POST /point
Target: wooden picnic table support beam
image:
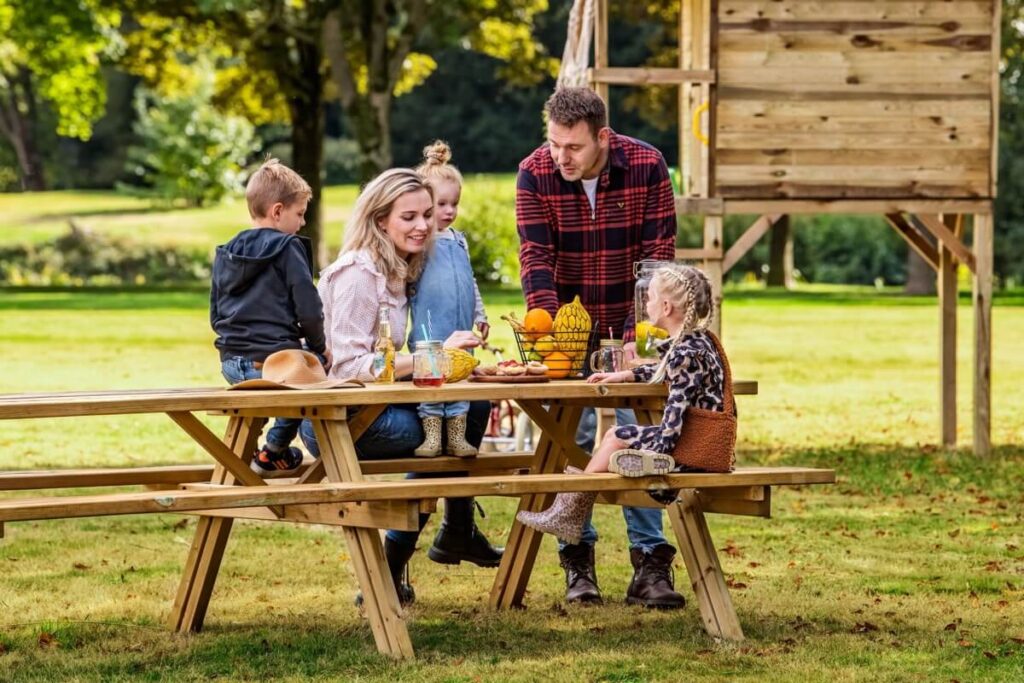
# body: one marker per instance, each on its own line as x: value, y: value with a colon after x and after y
x: 983, y: 238
x: 946, y: 284
x: 204, y: 556
x: 380, y: 598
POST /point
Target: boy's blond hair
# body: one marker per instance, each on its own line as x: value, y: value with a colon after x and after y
x: 272, y: 183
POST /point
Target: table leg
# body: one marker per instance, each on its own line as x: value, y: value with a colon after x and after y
x: 698, y: 551
x: 557, y: 440
x: 211, y: 537
x: 380, y: 598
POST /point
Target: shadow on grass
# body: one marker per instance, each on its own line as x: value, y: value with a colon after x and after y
x: 92, y: 213
x: 104, y: 298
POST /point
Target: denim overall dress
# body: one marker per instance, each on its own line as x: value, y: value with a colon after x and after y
x: 447, y: 290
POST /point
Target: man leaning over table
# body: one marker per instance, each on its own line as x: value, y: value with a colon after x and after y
x: 589, y: 203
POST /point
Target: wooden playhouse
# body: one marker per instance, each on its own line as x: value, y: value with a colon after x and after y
x: 883, y: 107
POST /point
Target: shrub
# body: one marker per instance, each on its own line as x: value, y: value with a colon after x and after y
x: 81, y: 258
x: 189, y: 151
x: 488, y: 217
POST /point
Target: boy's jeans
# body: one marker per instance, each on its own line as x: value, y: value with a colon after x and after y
x: 643, y: 525
x: 237, y: 369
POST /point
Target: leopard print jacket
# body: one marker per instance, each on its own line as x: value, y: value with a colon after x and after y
x: 695, y: 376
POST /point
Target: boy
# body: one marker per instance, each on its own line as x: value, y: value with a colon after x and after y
x: 263, y: 298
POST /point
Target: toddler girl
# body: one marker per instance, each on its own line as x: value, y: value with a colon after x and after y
x: 679, y: 300
x: 446, y: 297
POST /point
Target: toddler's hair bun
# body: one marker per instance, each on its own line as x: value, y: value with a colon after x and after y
x: 437, y: 153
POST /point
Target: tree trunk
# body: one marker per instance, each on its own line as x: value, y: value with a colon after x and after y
x: 19, y: 129
x: 780, y: 255
x: 920, y: 276
x: 307, y: 118
x: 372, y: 119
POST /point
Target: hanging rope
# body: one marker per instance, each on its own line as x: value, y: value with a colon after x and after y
x: 576, y: 58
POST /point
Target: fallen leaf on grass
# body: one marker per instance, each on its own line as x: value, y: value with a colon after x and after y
x: 80, y: 566
x: 954, y: 533
x: 988, y: 654
x: 1017, y: 639
x: 864, y: 627
x: 1011, y: 547
x: 950, y: 627
x: 737, y: 585
x: 963, y: 642
x: 47, y: 639
x: 753, y: 565
x: 993, y: 566
x: 180, y: 524
x: 3, y: 649
x: 731, y: 549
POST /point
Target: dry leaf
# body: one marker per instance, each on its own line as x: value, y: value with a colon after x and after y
x: 47, y: 640
x: 963, y: 642
x: 864, y: 627
x: 80, y: 566
x: 954, y: 533
x: 1017, y: 639
x: 180, y: 524
x: 753, y: 565
x: 735, y: 584
x: 988, y: 654
x: 950, y: 627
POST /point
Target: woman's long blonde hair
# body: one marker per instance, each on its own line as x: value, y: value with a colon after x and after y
x: 364, y: 231
x: 689, y: 290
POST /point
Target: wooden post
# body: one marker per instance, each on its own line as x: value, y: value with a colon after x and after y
x: 713, y: 266
x: 983, y: 237
x: 947, y: 289
x: 601, y: 50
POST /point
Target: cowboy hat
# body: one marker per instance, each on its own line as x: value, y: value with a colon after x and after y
x: 294, y: 369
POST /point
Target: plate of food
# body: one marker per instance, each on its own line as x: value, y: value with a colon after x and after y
x: 511, y: 372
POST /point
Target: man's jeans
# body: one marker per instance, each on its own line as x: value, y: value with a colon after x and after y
x: 643, y: 525
x: 237, y: 369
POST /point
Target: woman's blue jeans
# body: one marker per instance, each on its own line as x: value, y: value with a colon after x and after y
x: 395, y: 434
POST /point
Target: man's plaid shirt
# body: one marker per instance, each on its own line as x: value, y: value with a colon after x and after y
x: 568, y: 249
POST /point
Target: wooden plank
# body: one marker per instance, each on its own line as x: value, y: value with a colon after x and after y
x: 649, y: 76
x: 871, y: 158
x: 836, y: 29
x: 698, y: 552
x: 914, y: 238
x: 747, y: 240
x: 822, y: 124
x: 713, y: 268
x: 947, y: 290
x: 965, y: 181
x: 856, y: 206
x: 968, y: 109
x: 401, y: 515
x: 853, y: 58
x: 964, y: 39
x: 936, y: 227
x: 601, y: 48
x: 696, y: 254
x: 732, y: 506
x: 22, y: 480
x: 994, y: 89
x: 889, y: 10
x: 790, y: 190
x: 982, y: 298
x: 357, y: 425
x: 968, y: 139
x: 699, y: 205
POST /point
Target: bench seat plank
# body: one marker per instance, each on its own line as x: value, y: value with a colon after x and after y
x: 209, y: 496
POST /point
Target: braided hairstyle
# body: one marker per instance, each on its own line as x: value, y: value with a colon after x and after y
x: 688, y: 289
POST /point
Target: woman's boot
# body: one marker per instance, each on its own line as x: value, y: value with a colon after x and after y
x: 397, y: 557
x: 457, y: 444
x: 566, y: 516
x: 431, y: 446
x: 459, y: 539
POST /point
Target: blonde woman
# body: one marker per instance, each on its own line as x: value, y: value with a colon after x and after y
x: 383, y: 250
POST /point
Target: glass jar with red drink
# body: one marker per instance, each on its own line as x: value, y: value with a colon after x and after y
x: 429, y: 364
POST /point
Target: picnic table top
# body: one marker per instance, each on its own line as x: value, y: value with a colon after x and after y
x: 116, y: 402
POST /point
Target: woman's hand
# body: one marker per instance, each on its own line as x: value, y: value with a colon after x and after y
x: 485, y: 330
x: 462, y: 339
x: 611, y: 377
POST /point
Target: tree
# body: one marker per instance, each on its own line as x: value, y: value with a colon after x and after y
x: 50, y: 56
x: 370, y: 45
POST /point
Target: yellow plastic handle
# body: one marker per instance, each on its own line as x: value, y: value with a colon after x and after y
x: 696, y: 123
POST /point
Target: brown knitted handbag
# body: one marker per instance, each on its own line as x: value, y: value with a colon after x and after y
x: 708, y: 438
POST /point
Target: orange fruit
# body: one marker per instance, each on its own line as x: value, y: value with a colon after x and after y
x: 537, y: 322
x: 559, y: 365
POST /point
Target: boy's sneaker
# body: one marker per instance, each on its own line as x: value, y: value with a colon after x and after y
x: 268, y: 463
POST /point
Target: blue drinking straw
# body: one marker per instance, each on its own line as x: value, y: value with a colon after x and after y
x: 426, y: 337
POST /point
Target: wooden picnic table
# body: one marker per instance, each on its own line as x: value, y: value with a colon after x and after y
x: 334, y: 489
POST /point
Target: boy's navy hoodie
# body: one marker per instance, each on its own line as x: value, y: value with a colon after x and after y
x: 263, y: 298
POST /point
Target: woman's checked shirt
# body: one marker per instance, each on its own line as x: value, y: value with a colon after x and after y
x: 696, y: 377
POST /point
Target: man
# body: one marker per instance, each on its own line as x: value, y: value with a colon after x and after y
x: 589, y: 203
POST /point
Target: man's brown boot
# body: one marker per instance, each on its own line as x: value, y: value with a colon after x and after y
x: 652, y: 584
x: 580, y: 574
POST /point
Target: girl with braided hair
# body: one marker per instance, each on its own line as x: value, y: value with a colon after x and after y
x: 680, y: 301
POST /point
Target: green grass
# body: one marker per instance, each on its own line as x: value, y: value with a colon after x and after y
x: 910, y: 568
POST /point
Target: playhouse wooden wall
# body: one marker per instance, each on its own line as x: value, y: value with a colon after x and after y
x: 855, y: 99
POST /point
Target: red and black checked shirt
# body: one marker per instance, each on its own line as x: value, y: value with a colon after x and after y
x: 568, y: 249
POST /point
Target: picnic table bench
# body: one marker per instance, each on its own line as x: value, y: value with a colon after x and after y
x: 334, y: 490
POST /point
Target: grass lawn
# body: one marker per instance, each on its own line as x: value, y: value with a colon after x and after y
x: 911, y: 568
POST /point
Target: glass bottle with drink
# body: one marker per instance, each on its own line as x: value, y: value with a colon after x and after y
x: 647, y: 334
x: 384, y: 349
